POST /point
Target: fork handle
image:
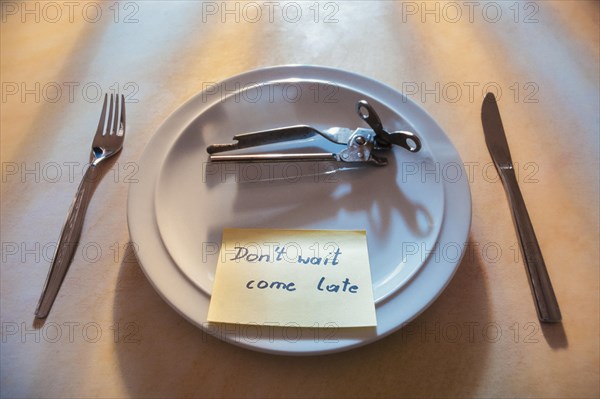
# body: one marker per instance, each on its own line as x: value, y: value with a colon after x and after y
x: 67, y: 243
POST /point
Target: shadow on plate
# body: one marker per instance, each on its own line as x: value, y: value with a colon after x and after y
x: 305, y: 193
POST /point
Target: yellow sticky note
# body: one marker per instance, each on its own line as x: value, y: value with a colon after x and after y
x: 306, y: 278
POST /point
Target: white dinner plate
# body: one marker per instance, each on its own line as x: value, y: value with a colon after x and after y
x: 412, y: 212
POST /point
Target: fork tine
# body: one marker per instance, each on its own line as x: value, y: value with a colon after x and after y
x: 110, y: 117
x: 115, y: 119
x: 102, y: 117
x: 121, y: 131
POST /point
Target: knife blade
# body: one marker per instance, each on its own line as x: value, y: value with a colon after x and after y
x: 539, y: 281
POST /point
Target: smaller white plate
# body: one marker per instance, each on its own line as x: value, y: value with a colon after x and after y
x: 196, y: 200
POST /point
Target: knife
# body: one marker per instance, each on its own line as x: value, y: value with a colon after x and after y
x: 539, y: 281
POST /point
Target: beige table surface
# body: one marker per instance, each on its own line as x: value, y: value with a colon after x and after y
x: 111, y: 335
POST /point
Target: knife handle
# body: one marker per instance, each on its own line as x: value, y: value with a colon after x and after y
x: 541, y: 287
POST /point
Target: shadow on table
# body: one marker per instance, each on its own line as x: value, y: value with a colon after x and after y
x: 555, y: 335
x: 443, y: 352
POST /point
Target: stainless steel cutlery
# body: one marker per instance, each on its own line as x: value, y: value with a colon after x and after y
x: 108, y: 141
x: 541, y: 287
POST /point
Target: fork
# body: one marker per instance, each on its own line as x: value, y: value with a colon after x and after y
x: 107, y: 142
